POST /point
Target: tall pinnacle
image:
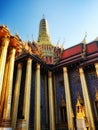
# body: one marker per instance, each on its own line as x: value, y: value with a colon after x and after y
x: 43, y: 32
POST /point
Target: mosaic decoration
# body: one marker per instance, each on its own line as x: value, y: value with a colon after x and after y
x: 92, y: 83
x: 59, y: 91
x: 32, y: 102
x: 43, y: 107
x: 75, y: 86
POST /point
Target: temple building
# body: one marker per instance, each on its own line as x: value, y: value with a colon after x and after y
x: 45, y: 87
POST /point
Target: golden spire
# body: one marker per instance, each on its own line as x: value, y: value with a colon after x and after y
x: 43, y: 32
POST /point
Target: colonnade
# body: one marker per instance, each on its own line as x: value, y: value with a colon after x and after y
x: 8, y: 119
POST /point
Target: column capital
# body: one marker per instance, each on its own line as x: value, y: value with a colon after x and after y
x: 96, y: 65
x: 64, y: 69
x: 11, y: 47
x: 5, y: 41
x: 37, y: 66
x: 81, y: 70
x: 11, y: 51
x: 20, y: 65
x: 29, y: 58
x: 49, y: 74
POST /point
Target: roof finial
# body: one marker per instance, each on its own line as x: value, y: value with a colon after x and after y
x: 16, y: 34
x: 84, y: 40
x: 28, y: 37
x: 15, y: 31
x: 62, y: 46
x: 57, y: 45
x: 32, y: 38
x: 85, y: 34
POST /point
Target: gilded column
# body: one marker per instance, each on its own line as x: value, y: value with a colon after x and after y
x: 96, y: 67
x: 51, y: 103
x: 16, y: 96
x: 3, y: 55
x: 26, y: 103
x: 86, y: 100
x: 4, y: 86
x: 37, y: 121
x: 8, y: 95
x: 68, y: 100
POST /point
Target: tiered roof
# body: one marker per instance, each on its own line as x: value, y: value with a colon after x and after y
x: 83, y: 54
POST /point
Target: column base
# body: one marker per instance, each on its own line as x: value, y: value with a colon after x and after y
x: 2, y: 128
x: 21, y: 125
x: 5, y: 123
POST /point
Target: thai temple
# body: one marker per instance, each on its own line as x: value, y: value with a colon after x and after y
x: 46, y: 87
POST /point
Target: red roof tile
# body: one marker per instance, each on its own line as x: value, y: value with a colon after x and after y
x: 72, y: 51
x: 91, y: 48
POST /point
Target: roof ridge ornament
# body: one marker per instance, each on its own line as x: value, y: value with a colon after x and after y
x: 32, y: 38
x: 62, y: 46
x: 84, y: 40
x: 57, y: 44
x: 15, y: 31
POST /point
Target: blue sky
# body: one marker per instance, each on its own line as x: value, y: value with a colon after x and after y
x: 68, y: 20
